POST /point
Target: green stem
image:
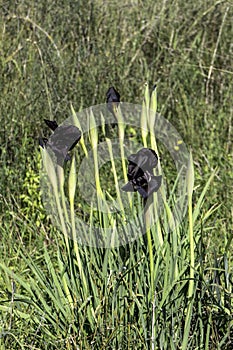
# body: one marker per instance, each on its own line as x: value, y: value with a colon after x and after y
x: 147, y: 206
x: 190, y: 186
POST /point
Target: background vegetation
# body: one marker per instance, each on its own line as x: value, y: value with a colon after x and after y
x: 53, y: 54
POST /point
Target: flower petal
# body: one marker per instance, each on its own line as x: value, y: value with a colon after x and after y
x: 145, y: 159
x: 128, y: 187
x: 112, y: 99
x: 52, y: 124
x: 64, y: 139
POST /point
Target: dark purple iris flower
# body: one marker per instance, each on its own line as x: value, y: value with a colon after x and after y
x: 113, y: 99
x: 140, y: 173
x: 63, y: 140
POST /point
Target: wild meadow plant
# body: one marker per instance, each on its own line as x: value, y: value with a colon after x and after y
x: 171, y: 286
x: 129, y: 270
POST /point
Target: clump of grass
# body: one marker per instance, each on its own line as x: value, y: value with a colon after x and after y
x: 146, y: 292
x: 47, y: 55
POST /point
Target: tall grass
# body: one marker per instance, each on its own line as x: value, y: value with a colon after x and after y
x: 176, y: 291
x: 145, y: 294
